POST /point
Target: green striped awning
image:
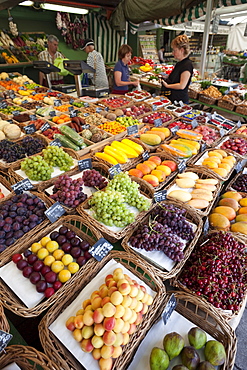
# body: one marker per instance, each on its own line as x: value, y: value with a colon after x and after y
x: 187, y: 15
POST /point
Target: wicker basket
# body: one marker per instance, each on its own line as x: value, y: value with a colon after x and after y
x: 5, y: 181
x: 160, y: 271
x: 226, y: 104
x: 85, y: 231
x: 207, y: 99
x: 110, y: 235
x: 202, y: 175
x: 130, y: 102
x: 234, y: 136
x: 230, y: 186
x: 142, y: 270
x: 27, y: 358
x: 193, y: 94
x: 4, y: 324
x: 198, y: 314
x: 242, y: 109
x: 125, y: 166
x: 161, y: 110
x: 12, y: 248
x: 193, y: 163
x: 16, y: 166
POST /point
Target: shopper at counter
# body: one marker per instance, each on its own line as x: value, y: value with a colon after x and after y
x: 50, y: 55
x: 161, y: 54
x: 121, y: 71
x: 96, y: 61
x: 175, y: 87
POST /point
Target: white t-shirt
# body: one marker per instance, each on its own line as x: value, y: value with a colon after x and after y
x: 96, y: 61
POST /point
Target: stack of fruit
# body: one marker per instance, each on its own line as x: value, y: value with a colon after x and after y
x: 218, y: 161
x: 109, y: 317
x: 185, y: 146
x: 236, y: 144
x: 155, y: 135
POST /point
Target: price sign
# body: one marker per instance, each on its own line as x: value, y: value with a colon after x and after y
x: 4, y: 339
x: 145, y: 155
x: 174, y: 129
x: 52, y: 113
x: 71, y: 109
x: 154, y: 95
x: 45, y: 127
x: 98, y: 110
x: 10, y: 120
x: 71, y: 101
x: 57, y: 103
x: 239, y: 124
x: 100, y: 249
x: 55, y: 212
x: 114, y: 170
x: 158, y: 122
x: 25, y: 101
x: 30, y: 129
x: 206, y: 226
x: 106, y: 109
x: 3, y: 105
x: 85, y: 164
x: 131, y: 130
x: 170, y: 307
x: 194, y: 123
x: 239, y: 166
x: 85, y: 127
x: 203, y: 147
x: 21, y: 88
x: 85, y: 114
x: 33, y: 117
x: 55, y: 142
x: 154, y: 107
x: 222, y: 132
x: 73, y: 113
x: 21, y: 186
x: 181, y: 166
x: 49, y: 90
x: 86, y: 105
x: 181, y: 103
x: 159, y: 196
x: 12, y: 94
x: 16, y: 112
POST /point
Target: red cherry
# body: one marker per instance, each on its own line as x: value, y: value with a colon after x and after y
x: 16, y: 257
x: 49, y: 292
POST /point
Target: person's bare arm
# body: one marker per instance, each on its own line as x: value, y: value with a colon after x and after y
x: 184, y: 78
x: 119, y: 82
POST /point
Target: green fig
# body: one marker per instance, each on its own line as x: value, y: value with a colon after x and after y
x: 159, y: 359
x: 190, y: 357
x: 197, y: 337
x: 173, y: 344
x: 205, y: 365
x: 215, y: 352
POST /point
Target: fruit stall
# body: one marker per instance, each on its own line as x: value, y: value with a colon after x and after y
x: 108, y: 203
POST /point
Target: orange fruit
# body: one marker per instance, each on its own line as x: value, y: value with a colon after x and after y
x: 35, y: 247
x: 57, y: 266
x: 48, y: 261
x: 73, y: 267
x: 67, y: 259
x: 58, y: 254
x: 60, y: 121
x: 51, y: 246
x: 44, y: 241
x: 64, y: 275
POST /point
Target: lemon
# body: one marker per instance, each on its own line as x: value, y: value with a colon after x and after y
x: 42, y: 253
x: 44, y: 241
x: 67, y: 259
x: 35, y: 247
x: 49, y: 260
x: 52, y: 245
x: 73, y: 267
x: 57, y: 266
x: 64, y: 275
x: 58, y: 254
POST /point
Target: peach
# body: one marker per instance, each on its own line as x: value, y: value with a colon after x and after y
x: 86, y: 345
x: 117, y: 352
x: 135, y: 172
x: 144, y: 309
x: 124, y: 288
x: 118, y: 325
x: 88, y: 318
x: 77, y: 334
x: 112, y: 283
x: 94, y: 294
x: 151, y: 164
x: 96, y: 302
x: 145, y: 169
x: 103, y: 291
x: 105, y: 300
x: 106, y: 351
x: 140, y: 295
x: 143, y: 288
x: 133, y: 291
x: 155, y: 159
x: 171, y: 164
x: 165, y: 169
x: 86, y: 303
x: 88, y: 308
x: 99, y: 329
x: 150, y: 300
x: 118, y: 274
x: 126, y: 338
x: 96, y: 354
x: 139, y: 318
x: 109, y: 310
x: 119, y: 340
x: 159, y: 174
x: 145, y: 298
x: 112, y: 290
x: 78, y: 321
x: 87, y: 332
x: 108, y: 277
x: 109, y: 338
x: 132, y: 329
x: 119, y: 311
x: 127, y: 314
x: 70, y: 323
x: 80, y: 312
x: 127, y: 277
x: 98, y: 316
x: 109, y: 323
x: 133, y: 303
x: 126, y: 301
x: 152, y: 180
x: 133, y: 317
x: 126, y: 327
x: 97, y: 341
x: 116, y: 298
x: 105, y: 364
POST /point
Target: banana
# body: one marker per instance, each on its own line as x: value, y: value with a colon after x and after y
x: 120, y: 156
x: 137, y: 147
x: 131, y: 153
x: 106, y: 157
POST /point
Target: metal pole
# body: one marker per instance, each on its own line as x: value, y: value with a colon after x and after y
x: 205, y: 37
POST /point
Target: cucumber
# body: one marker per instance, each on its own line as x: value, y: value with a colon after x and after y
x: 72, y: 135
x: 66, y: 142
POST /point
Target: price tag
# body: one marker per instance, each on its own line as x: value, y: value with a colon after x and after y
x: 55, y: 142
x: 3, y: 105
x: 239, y: 124
x: 194, y: 123
x: 181, y: 166
x: 159, y: 196
x: 45, y: 127
x: 154, y: 107
x: 85, y: 127
x: 52, y: 113
x: 154, y: 95
x: 55, y: 212
x: 57, y: 103
x: 85, y: 164
x: 33, y: 117
x: 85, y: 114
x: 86, y: 105
x: 4, y: 339
x: 49, y: 90
x: 174, y: 129
x: 30, y: 129
x: 73, y: 113
x: 203, y: 147
x: 21, y: 88
x: 10, y: 120
x: 162, y: 98
x: 158, y: 122
x: 131, y: 130
x: 239, y: 166
x: 145, y: 155
x: 25, y: 101
x: 16, y: 112
x: 71, y: 101
x: 71, y: 109
x: 12, y: 94
x: 206, y: 226
x: 100, y: 249
x: 222, y: 132
x: 106, y: 109
x: 181, y: 103
x: 34, y: 93
x: 170, y: 307
x: 98, y: 110
x: 114, y: 170
x: 21, y: 186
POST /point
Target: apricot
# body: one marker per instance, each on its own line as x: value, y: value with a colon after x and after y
x: 86, y: 303
x: 232, y: 194
x: 88, y: 318
x: 87, y: 331
x: 118, y: 274
x: 144, y: 309
x: 132, y: 329
x: 86, y: 345
x: 133, y: 303
x: 229, y: 202
x: 119, y: 340
x: 143, y: 168
x: 96, y: 302
x: 105, y: 300
x: 70, y: 323
x: 99, y: 329
x: 108, y: 277
x: 140, y: 294
x: 126, y: 301
x: 151, y: 164
x: 127, y: 314
x: 109, y: 337
x: 133, y: 318
x: 135, y: 172
x: 126, y: 338
x: 133, y: 291
x: 126, y: 327
x: 97, y: 341
x: 152, y: 180
x: 103, y: 291
x: 118, y: 325
x: 78, y: 321
x: 109, y: 310
x: 139, y: 318
x: 116, y: 298
x: 105, y: 364
x: 164, y: 169
x: 155, y: 159
x: 112, y: 290
x: 149, y: 300
x: 119, y: 311
x: 117, y: 352
x: 98, y: 316
x: 106, y: 351
x: 109, y: 323
x: 96, y: 354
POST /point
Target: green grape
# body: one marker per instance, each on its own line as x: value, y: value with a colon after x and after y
x: 56, y: 156
x: 36, y: 168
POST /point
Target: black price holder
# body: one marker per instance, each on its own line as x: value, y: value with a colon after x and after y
x: 5, y: 338
x: 98, y: 110
x: 158, y: 122
x: 131, y: 130
x: 154, y: 107
x: 203, y: 147
x: 57, y: 103
x: 85, y: 127
x: 30, y: 129
x: 71, y: 109
x: 174, y: 129
x: 194, y: 123
x: 16, y: 112
x: 114, y: 170
x: 181, y: 166
x: 222, y: 132
x: 71, y: 101
x: 170, y: 307
x: 73, y: 113
x: 206, y: 226
x: 100, y: 249
x: 159, y: 196
x: 145, y: 156
x: 22, y: 186
x: 85, y: 164
x: 106, y: 109
x: 45, y: 127
x: 239, y: 166
x: 52, y: 113
x: 55, y: 212
x: 86, y: 105
x: 86, y: 114
x: 55, y: 142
